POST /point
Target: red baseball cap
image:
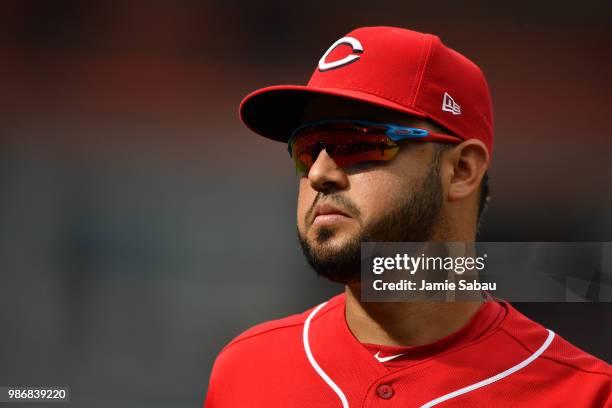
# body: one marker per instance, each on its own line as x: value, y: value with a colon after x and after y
x: 394, y: 68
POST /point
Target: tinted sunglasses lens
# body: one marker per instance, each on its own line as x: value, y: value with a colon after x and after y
x: 345, y: 148
x: 302, y: 166
x: 376, y: 150
x: 304, y: 152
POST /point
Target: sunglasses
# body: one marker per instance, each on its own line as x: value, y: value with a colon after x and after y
x: 351, y: 142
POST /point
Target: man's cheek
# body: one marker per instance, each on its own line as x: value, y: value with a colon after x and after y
x: 302, y: 208
x: 373, y: 208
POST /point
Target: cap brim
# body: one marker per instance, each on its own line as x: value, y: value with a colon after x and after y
x: 274, y: 112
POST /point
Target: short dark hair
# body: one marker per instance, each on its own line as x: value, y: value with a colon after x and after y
x: 485, y: 192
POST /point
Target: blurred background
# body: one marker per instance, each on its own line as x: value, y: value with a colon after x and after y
x: 142, y: 226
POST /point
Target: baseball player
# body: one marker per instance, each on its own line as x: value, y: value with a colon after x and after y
x: 392, y: 138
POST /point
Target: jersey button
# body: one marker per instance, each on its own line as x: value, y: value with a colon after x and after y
x: 385, y: 391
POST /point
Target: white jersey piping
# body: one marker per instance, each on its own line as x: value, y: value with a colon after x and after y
x: 314, y: 363
x: 461, y: 391
x: 497, y: 377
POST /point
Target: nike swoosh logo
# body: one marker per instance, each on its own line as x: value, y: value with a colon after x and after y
x: 388, y: 358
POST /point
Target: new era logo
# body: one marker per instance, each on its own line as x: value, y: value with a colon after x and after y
x: 449, y: 105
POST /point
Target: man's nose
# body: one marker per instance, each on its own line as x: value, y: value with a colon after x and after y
x: 325, y: 175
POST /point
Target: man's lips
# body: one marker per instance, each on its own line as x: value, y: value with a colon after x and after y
x: 326, y: 214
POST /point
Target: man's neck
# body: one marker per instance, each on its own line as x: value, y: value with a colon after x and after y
x: 404, y: 323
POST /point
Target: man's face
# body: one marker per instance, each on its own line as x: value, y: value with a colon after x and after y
x: 398, y: 200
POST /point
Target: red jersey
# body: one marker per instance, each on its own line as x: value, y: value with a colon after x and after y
x: 499, y: 359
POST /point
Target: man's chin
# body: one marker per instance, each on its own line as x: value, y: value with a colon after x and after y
x: 334, y: 256
x: 332, y: 238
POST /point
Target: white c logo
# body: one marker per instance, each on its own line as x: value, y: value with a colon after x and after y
x: 353, y: 42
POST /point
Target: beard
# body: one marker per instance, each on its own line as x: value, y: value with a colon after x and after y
x: 412, y: 220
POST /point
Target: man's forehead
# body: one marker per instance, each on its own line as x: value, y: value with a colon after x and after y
x: 332, y: 107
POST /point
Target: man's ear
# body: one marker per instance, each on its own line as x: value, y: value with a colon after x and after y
x: 470, y: 161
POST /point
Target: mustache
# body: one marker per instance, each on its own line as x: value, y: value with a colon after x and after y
x: 338, y: 199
